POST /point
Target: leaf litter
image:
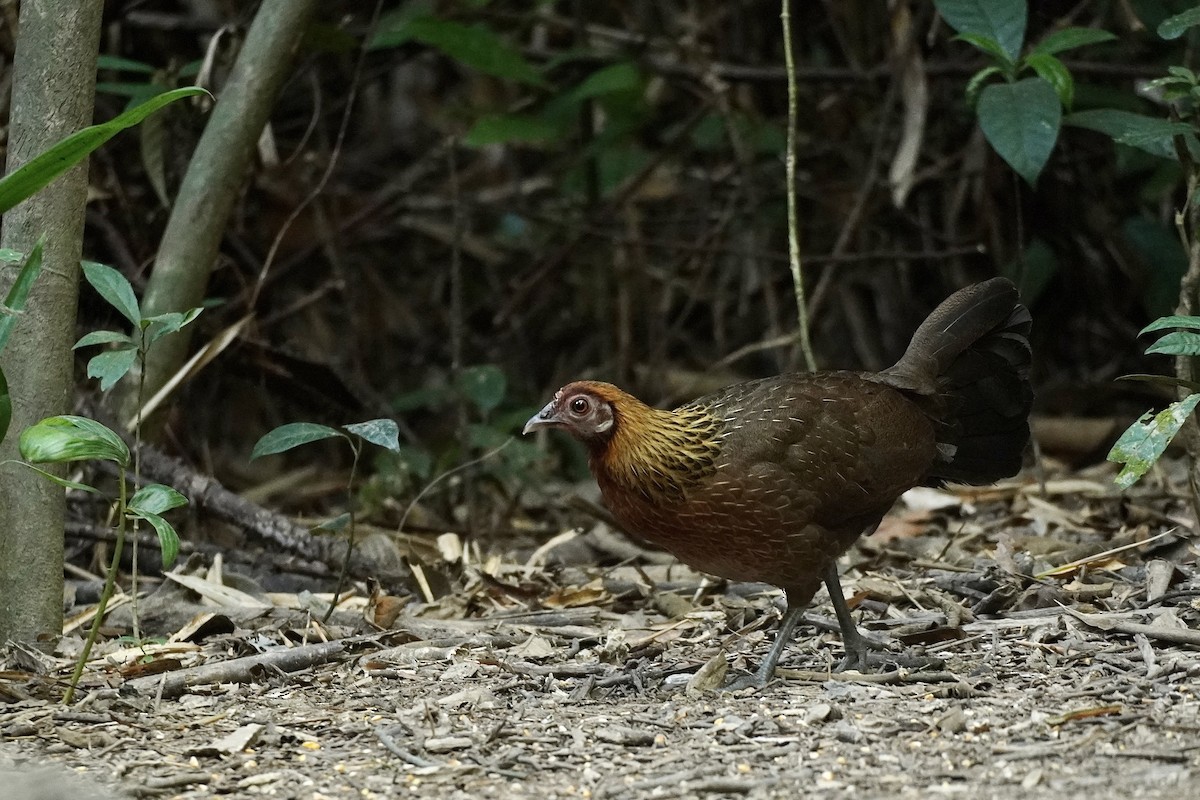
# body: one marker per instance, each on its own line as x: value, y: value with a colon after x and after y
x: 1065, y: 622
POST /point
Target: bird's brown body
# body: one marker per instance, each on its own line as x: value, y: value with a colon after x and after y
x: 773, y: 479
x: 789, y: 473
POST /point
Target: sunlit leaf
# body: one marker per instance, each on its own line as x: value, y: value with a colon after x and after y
x: 1141, y: 445
x: 1055, y: 73
x: 65, y: 438
x: 155, y: 498
x: 168, y: 539
x: 294, y: 434
x: 63, y: 482
x: 113, y: 287
x: 45, y: 167
x: 334, y: 524
x: 1162, y: 323
x: 1179, y: 343
x: 1151, y: 134
x: 382, y: 432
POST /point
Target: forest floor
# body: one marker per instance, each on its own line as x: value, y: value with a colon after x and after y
x: 1065, y: 615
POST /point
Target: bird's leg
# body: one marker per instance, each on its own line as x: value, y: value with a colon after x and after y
x: 855, y: 643
x: 766, y: 670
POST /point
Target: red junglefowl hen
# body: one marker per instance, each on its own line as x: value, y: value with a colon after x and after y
x: 773, y: 479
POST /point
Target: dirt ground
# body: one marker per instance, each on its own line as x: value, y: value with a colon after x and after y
x: 1080, y: 683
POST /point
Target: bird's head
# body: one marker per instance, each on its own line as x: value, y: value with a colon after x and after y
x: 585, y: 409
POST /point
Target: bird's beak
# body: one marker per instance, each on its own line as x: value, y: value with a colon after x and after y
x: 546, y: 418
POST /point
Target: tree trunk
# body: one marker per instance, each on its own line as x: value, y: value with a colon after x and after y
x: 213, y: 182
x: 53, y: 95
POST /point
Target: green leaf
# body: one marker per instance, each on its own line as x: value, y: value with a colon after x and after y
x: 55, y: 440
x: 155, y: 498
x: 510, y: 129
x: 18, y: 293
x: 162, y: 325
x: 622, y: 77
x: 1069, y: 39
x: 35, y: 174
x: 1176, y: 26
x: 1021, y: 121
x: 111, y: 365
x: 123, y: 64
x: 294, y: 434
x: 992, y: 48
x: 103, y: 337
x: 114, y: 288
x: 382, y: 432
x: 1141, y: 445
x: 977, y: 81
x: 168, y: 539
x: 1000, y: 20
x: 5, y: 406
x: 473, y: 46
x: 334, y: 524
x: 1149, y: 134
x: 483, y: 385
x: 1179, y: 343
x: 1162, y: 323
x: 1053, y: 72
x: 63, y: 482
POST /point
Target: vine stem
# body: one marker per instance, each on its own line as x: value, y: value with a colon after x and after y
x: 105, y: 595
x: 785, y: 17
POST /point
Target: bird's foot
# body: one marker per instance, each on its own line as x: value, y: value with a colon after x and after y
x: 752, y: 680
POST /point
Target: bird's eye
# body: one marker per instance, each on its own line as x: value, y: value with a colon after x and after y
x: 580, y: 406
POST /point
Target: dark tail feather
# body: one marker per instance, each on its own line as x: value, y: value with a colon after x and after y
x: 968, y: 365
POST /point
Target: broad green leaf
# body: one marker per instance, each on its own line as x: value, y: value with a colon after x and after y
x: 168, y: 539
x: 473, y: 46
x: 102, y: 337
x: 483, y: 385
x: 162, y: 325
x: 18, y: 293
x: 1021, y: 121
x: 1176, y: 26
x: 1141, y: 445
x: 510, y: 128
x: 155, y: 498
x: 1069, y: 39
x: 622, y: 77
x: 1178, y: 343
x: 990, y: 46
x: 5, y: 406
x: 111, y: 365
x: 32, y: 176
x: 114, y: 288
x: 334, y: 524
x: 1150, y: 134
x: 382, y: 432
x: 1174, y: 321
x: 1053, y: 72
x: 1001, y: 20
x: 55, y: 440
x: 294, y: 434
